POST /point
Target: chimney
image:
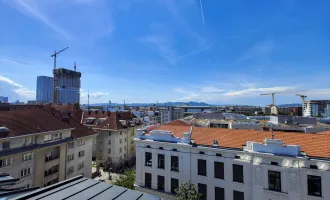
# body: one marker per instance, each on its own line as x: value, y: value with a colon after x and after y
x: 186, y: 137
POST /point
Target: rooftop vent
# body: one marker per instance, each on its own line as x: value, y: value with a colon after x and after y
x: 215, y: 143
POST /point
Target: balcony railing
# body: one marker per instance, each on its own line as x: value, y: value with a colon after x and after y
x: 47, y: 159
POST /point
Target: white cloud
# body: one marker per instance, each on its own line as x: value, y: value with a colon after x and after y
x: 257, y: 91
x: 210, y: 89
x: 19, y: 89
x: 94, y: 97
x: 30, y: 8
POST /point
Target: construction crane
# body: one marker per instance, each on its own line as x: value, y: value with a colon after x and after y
x: 302, y: 97
x: 54, y: 78
x: 55, y: 54
x: 273, y: 97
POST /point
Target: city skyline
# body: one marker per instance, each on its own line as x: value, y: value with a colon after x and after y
x: 142, y: 51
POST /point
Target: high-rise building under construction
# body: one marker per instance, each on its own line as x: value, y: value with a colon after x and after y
x: 66, y: 86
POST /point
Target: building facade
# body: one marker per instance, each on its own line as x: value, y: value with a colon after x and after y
x: 230, y: 164
x: 3, y: 99
x: 44, y: 89
x: 114, y: 145
x: 170, y: 113
x: 314, y: 108
x: 67, y: 86
x: 40, y: 149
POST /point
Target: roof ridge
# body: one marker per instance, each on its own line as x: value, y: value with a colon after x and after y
x: 54, y: 116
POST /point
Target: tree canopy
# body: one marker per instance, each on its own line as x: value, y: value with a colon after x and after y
x: 187, y: 191
x: 127, y: 179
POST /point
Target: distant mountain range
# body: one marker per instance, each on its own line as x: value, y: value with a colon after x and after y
x: 191, y: 103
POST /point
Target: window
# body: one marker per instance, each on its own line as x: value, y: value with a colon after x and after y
x: 314, y: 185
x: 238, y: 173
x: 81, y: 153
x: 57, y: 136
x: 109, y: 133
x: 28, y: 141
x: 27, y: 156
x: 274, y: 180
x: 121, y: 141
x: 174, y: 149
x: 120, y: 150
x: 5, y: 162
x: 313, y: 167
x: 174, y: 185
x: 70, y: 157
x: 237, y: 157
x: 124, y: 139
x: 81, y: 142
x: 110, y: 160
x: 148, y: 146
x: 161, y: 148
x: 218, y: 154
x: 147, y: 181
x: 120, y: 133
x: 202, y: 190
x: 219, y: 193
x: 238, y: 195
x: 201, y: 167
x: 175, y: 163
x: 109, y: 141
x: 47, y: 137
x: 70, y: 170
x: 48, y: 156
x: 201, y: 152
x: 80, y: 165
x: 109, y: 151
x: 70, y: 145
x: 161, y: 161
x: 273, y: 163
x: 25, y: 172
x: 161, y: 183
x: 218, y: 170
x: 124, y: 155
x: 148, y: 159
x: 6, y: 145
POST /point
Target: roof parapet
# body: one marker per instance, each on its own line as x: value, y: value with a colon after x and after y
x: 273, y: 146
x: 162, y: 135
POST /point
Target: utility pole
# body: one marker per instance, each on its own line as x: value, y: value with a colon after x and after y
x: 88, y: 100
x: 54, y: 78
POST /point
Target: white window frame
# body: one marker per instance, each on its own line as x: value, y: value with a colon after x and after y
x: 81, y: 142
x: 26, y: 172
x: 6, y: 162
x: 57, y: 136
x: 70, y: 145
x: 70, y: 157
x: 27, y: 141
x: 81, y: 165
x: 27, y: 156
x: 83, y: 154
x: 48, y: 137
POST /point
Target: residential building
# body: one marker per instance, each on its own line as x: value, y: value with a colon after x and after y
x: 169, y: 113
x: 3, y: 99
x: 314, y: 108
x: 114, y: 145
x: 44, y: 89
x: 295, y: 110
x: 67, y: 86
x: 77, y: 187
x: 233, y: 164
x: 38, y: 146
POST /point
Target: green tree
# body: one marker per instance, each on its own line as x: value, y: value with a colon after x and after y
x: 187, y: 191
x: 127, y: 179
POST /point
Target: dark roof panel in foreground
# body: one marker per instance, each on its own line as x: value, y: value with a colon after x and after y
x: 80, y: 188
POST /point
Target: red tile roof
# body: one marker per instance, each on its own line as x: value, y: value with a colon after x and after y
x: 71, y: 116
x: 111, y: 119
x: 23, y: 120
x: 178, y: 123
x: 317, y: 145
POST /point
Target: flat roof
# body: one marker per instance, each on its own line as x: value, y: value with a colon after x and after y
x: 80, y: 188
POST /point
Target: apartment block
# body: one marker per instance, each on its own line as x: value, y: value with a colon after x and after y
x: 39, y: 148
x: 44, y: 93
x: 170, y: 113
x: 233, y: 164
x: 314, y: 108
x: 114, y: 145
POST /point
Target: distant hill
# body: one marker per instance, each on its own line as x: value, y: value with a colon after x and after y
x: 191, y: 103
x: 289, y: 105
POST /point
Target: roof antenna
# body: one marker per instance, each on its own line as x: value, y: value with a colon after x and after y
x: 74, y: 66
x: 88, y: 100
x: 273, y: 135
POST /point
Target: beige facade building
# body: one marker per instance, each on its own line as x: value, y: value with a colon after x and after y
x: 114, y: 145
x: 40, y: 147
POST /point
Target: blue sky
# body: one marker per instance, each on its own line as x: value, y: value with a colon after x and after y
x: 169, y: 50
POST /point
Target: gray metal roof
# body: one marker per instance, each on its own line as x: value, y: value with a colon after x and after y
x: 80, y: 188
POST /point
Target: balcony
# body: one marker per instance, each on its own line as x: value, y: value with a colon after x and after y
x: 50, y: 177
x: 51, y: 162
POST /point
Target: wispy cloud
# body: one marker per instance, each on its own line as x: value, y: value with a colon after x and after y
x: 19, y: 89
x: 31, y: 9
x: 202, y: 12
x: 258, y: 91
x: 94, y: 97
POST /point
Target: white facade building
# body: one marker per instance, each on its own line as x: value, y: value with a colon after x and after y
x: 215, y: 161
